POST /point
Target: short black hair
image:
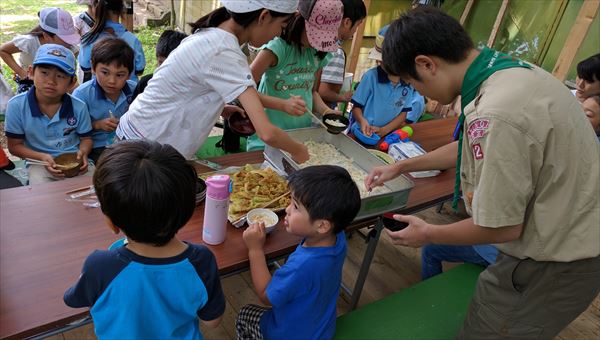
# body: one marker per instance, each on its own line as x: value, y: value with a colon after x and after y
x: 354, y: 10
x: 423, y: 31
x: 589, y: 68
x: 147, y: 189
x: 112, y: 49
x: 168, y: 41
x: 327, y: 192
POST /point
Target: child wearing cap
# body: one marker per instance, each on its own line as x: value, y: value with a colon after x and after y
x: 109, y: 94
x: 155, y: 286
x: 383, y: 103
x: 107, y: 13
x: 46, y: 121
x: 332, y: 76
x: 302, y: 294
x: 189, y: 91
x: 288, y: 66
x: 55, y: 27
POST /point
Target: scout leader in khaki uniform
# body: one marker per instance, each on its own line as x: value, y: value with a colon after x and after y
x: 529, y: 164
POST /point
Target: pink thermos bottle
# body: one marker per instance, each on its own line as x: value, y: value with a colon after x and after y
x: 215, y: 209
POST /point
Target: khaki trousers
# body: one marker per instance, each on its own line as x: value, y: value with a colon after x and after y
x: 526, y: 299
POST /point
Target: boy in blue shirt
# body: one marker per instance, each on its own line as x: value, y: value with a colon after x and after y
x: 383, y: 103
x: 109, y: 93
x: 303, y: 292
x: 155, y: 286
x: 46, y: 121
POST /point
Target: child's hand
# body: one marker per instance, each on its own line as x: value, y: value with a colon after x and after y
x: 301, y: 155
x: 107, y: 124
x: 228, y: 110
x: 52, y: 167
x: 346, y: 96
x: 254, y: 236
x: 295, y: 106
x: 84, y: 166
x: 365, y: 128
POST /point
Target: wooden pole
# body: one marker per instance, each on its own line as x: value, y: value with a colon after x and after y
x: 356, y: 42
x: 466, y: 12
x: 499, y: 19
x: 586, y: 15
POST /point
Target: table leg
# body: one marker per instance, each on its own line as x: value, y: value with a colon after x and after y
x: 366, y: 263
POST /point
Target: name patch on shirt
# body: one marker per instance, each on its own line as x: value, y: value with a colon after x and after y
x: 477, y: 129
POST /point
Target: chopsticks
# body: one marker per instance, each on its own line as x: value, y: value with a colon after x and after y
x: 263, y: 206
x: 38, y: 162
x: 275, y: 199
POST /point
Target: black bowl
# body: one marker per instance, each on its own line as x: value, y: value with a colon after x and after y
x: 338, y: 118
x: 240, y: 125
x: 390, y: 223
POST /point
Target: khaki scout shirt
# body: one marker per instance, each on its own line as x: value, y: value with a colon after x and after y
x: 531, y: 156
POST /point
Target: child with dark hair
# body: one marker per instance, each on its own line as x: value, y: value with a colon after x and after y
x: 288, y: 66
x: 155, y: 286
x: 523, y: 150
x: 55, y: 27
x: 190, y: 90
x: 106, y: 24
x: 46, y: 121
x: 167, y: 42
x: 109, y: 94
x: 588, y: 78
x: 383, y: 103
x: 302, y: 294
x: 332, y: 75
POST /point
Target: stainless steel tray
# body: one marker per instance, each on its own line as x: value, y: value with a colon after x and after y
x: 374, y: 205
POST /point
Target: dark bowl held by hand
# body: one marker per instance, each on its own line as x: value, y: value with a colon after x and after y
x: 240, y: 125
x: 70, y: 164
x: 339, y: 121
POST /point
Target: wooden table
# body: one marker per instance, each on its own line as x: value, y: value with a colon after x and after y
x: 45, y: 239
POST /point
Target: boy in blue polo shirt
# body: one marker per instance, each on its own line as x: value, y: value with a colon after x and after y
x: 46, y: 121
x: 155, y: 286
x: 383, y: 103
x: 109, y: 93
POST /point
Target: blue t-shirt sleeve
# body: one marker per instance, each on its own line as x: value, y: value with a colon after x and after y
x: 99, y: 269
x: 364, y: 89
x: 206, y: 267
x: 417, y: 105
x: 14, y: 127
x: 286, y: 284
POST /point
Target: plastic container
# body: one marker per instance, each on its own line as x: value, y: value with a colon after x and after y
x: 216, y: 205
x: 367, y: 140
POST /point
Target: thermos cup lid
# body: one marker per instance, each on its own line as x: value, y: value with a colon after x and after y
x: 218, y: 187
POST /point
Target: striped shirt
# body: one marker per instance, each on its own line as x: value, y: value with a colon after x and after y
x: 188, y: 91
x: 333, y: 72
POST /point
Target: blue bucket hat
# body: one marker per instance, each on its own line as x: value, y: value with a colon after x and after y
x: 56, y: 55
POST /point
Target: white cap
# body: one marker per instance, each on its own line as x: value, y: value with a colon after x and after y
x: 58, y: 21
x: 245, y: 6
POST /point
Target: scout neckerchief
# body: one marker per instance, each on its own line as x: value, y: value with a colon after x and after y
x: 487, y: 62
